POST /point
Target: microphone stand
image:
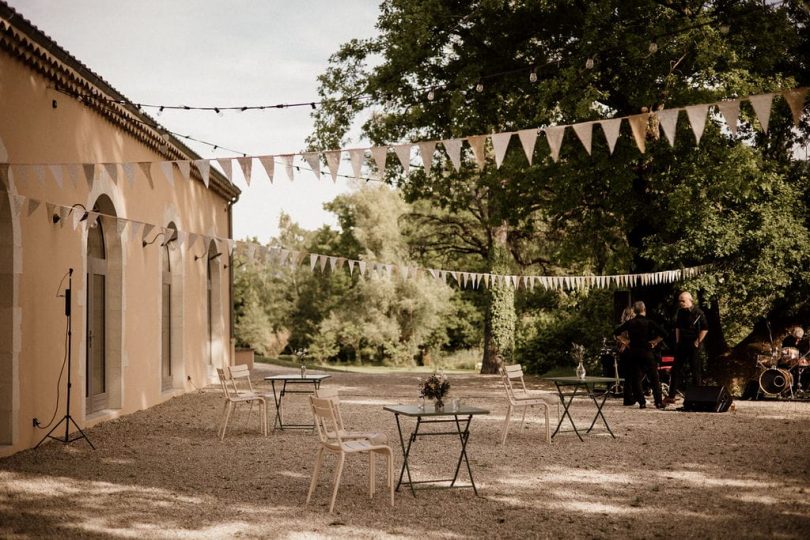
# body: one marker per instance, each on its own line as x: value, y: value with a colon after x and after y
x: 67, y: 419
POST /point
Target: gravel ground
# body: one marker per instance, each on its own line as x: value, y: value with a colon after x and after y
x: 163, y: 473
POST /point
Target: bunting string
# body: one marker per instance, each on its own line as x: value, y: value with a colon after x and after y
x: 377, y: 157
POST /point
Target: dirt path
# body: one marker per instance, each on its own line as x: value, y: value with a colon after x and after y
x: 163, y: 473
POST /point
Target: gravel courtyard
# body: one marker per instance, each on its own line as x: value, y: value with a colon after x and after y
x: 163, y: 473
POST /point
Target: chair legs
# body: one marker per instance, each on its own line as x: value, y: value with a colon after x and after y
x: 506, y: 424
x: 523, y: 419
x: 315, y: 472
x: 338, y: 472
x: 389, y: 477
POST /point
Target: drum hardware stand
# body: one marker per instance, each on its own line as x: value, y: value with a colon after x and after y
x: 67, y: 419
x: 615, y: 389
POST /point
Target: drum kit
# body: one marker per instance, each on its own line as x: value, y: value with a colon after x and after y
x: 783, y: 373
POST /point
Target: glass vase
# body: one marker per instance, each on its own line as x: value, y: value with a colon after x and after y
x: 580, y: 370
x: 439, y: 406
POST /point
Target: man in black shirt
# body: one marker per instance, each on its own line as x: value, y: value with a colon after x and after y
x: 690, y: 331
x: 643, y: 335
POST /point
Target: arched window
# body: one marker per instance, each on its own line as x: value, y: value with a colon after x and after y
x: 166, y: 317
x: 96, y: 334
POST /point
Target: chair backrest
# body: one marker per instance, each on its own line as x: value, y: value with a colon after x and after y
x: 225, y: 381
x: 511, y: 376
x: 331, y: 393
x: 240, y: 377
x: 325, y: 420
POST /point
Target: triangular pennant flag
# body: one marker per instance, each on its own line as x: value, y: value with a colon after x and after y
x: 89, y: 173
x: 477, y: 143
x: 455, y: 276
x: 555, y: 134
x: 611, y: 129
x: 58, y: 175
x: 288, y: 165
x: 762, y: 108
x: 17, y: 202
x: 356, y: 157
x: 403, y: 152
x: 33, y: 204
x: 380, y: 154
x: 181, y: 238
x: 129, y: 173
x: 426, y: 150
x: 388, y: 269
x: 313, y: 260
x: 668, y: 121
x: 185, y: 169
x: 528, y: 138
x: 112, y: 171
x: 49, y: 209
x: 39, y: 172
x: 332, y: 263
x: 433, y: 273
x: 352, y: 262
x: 227, y: 168
x: 313, y: 159
x: 168, y: 172
x: 584, y: 132
x: 404, y: 271
x: 333, y: 162
x: 362, y: 266
x: 795, y: 99
x: 730, y: 109
x: 500, y: 142
x: 231, y: 243
x: 340, y: 262
x: 204, y: 167
x: 135, y: 231
x: 638, y: 125
x: 146, y: 169
x: 697, y: 118
x: 323, y: 262
x: 147, y: 228
x: 251, y: 251
x: 120, y: 225
x: 74, y: 171
x: 453, y: 149
x: 246, y: 164
x: 269, y: 166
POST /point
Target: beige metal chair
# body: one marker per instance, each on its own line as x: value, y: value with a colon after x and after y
x: 234, y: 397
x: 331, y: 393
x: 326, y: 423
x: 519, y: 396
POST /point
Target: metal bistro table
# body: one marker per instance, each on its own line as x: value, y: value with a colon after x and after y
x: 292, y: 378
x: 435, y: 417
x: 588, y: 384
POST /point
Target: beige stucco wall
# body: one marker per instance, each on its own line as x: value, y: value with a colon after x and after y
x: 35, y: 254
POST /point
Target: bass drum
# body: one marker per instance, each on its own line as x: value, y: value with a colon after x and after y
x: 775, y: 381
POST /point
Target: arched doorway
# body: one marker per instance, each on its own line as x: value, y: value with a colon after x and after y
x: 10, y: 315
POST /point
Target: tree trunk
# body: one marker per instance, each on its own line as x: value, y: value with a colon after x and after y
x: 499, y: 321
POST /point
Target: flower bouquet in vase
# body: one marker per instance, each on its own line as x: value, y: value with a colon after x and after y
x: 436, y: 387
x: 578, y: 352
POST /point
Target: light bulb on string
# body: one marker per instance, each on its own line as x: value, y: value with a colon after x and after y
x: 653, y: 48
x: 431, y: 95
x: 589, y: 63
x: 479, y: 87
x: 533, y: 75
x: 216, y: 110
x: 160, y: 111
x: 725, y: 29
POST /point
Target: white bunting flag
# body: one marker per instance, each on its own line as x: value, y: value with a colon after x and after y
x: 611, y: 129
x: 135, y: 230
x: 168, y: 172
x: 380, y: 155
x: 204, y: 168
x: 668, y: 122
x: 356, y: 158
x: 185, y: 169
x: 246, y: 164
x: 453, y: 149
x: 17, y: 202
x: 584, y: 132
x: 129, y: 173
x: 313, y: 159
x: 340, y: 262
x: 227, y: 168
x: 269, y: 166
x: 288, y: 165
x: 730, y: 109
x: 146, y: 169
x: 333, y: 162
x: 554, y: 135
x: 147, y: 228
x: 39, y: 172
x: 426, y: 150
x: 33, y: 204
x: 120, y: 225
x: 362, y: 266
x: 352, y: 262
x: 795, y: 99
x: 477, y: 143
x: 638, y: 125
x: 500, y: 142
x: 313, y: 261
x: 528, y: 138
x: 762, y: 108
x: 74, y: 171
x: 50, y: 209
x: 112, y: 171
x: 403, y: 152
x: 89, y: 173
x: 433, y: 273
x: 58, y: 175
x: 332, y: 263
x: 697, y: 118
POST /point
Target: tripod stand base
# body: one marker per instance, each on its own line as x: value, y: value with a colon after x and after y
x: 67, y: 419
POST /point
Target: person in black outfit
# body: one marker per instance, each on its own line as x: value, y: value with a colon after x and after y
x: 643, y: 336
x: 690, y: 331
x: 625, y: 361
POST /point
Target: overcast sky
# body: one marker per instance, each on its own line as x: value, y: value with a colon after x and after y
x: 215, y: 53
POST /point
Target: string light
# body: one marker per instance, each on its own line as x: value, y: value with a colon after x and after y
x: 160, y: 111
x: 533, y: 75
x: 653, y: 48
x: 479, y: 87
x: 431, y: 95
x: 725, y: 29
x: 216, y: 110
x: 589, y: 63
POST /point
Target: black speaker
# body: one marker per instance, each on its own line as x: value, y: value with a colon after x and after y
x: 706, y: 399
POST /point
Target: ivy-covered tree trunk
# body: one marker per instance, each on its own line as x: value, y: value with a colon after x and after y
x: 499, y: 324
